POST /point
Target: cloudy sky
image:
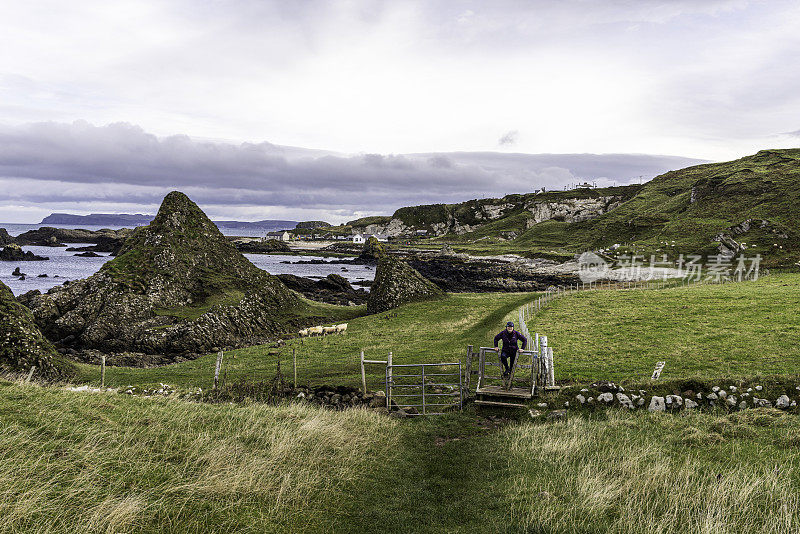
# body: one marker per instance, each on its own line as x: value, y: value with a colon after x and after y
x: 333, y: 110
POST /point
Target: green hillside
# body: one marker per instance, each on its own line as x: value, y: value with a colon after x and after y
x: 678, y: 212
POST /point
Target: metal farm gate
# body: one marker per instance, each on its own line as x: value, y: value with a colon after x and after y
x: 425, y: 388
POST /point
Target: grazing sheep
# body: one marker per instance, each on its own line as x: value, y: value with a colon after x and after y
x: 303, y: 332
x: 315, y: 331
x: 328, y: 330
x: 341, y: 328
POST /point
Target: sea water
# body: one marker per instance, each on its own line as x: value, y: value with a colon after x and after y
x: 63, y: 265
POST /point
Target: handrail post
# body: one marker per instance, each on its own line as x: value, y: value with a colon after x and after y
x: 389, y: 382
x: 423, y: 388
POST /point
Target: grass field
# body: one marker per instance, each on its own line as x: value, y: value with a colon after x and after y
x: 731, y: 330
x: 113, y: 463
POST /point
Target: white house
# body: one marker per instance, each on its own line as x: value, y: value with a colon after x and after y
x: 360, y: 239
x: 280, y: 236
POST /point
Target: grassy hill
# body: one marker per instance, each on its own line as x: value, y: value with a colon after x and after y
x: 680, y: 212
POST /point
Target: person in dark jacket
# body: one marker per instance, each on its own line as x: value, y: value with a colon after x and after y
x: 509, y: 337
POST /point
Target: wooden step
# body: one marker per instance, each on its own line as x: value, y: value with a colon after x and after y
x: 499, y: 391
x: 500, y: 404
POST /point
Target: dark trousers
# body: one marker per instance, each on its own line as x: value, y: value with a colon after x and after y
x: 507, y: 359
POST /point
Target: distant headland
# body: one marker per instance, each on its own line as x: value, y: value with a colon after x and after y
x: 140, y: 219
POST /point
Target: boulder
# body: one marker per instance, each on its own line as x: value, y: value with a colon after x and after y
x: 689, y: 404
x: 177, y: 286
x: 397, y: 283
x: 783, y: 402
x: 22, y: 344
x: 606, y: 397
x: 657, y: 404
x: 625, y: 401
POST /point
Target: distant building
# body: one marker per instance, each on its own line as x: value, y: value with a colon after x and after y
x: 360, y: 239
x: 280, y: 236
x: 585, y: 185
x: 421, y: 232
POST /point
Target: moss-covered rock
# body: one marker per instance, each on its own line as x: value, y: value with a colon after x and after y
x: 5, y: 237
x: 372, y: 250
x: 22, y: 344
x: 178, y: 285
x: 398, y: 283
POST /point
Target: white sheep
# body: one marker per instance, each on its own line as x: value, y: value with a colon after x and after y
x: 315, y: 331
x: 328, y: 330
x: 341, y: 328
x: 303, y: 332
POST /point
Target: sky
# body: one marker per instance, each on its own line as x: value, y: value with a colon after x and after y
x: 333, y: 110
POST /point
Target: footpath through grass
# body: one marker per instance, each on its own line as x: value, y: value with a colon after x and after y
x: 114, y: 463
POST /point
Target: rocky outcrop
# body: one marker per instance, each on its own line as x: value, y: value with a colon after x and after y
x: 49, y: 236
x: 5, y: 238
x: 333, y: 289
x: 571, y: 209
x: 14, y: 252
x: 177, y: 286
x: 269, y: 246
x: 22, y: 344
x: 398, y: 283
x: 372, y: 251
x: 457, y: 275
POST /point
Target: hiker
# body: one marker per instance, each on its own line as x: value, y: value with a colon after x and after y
x: 510, y: 338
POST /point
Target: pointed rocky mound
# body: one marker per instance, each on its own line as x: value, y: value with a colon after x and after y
x: 22, y: 344
x: 398, y: 283
x: 177, y: 286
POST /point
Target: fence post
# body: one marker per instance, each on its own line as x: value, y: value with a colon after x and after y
x: 294, y: 360
x: 551, y: 372
x: 33, y: 368
x: 217, y: 368
x: 389, y: 382
x: 423, y: 389
x: 363, y: 375
x: 469, y: 366
x: 103, y: 371
x: 543, y: 376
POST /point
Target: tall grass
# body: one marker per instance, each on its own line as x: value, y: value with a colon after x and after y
x: 93, y: 463
x: 643, y: 473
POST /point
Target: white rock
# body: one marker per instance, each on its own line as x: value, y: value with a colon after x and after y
x: 794, y: 403
x: 761, y: 403
x: 625, y: 401
x: 542, y: 405
x: 590, y: 400
x: 699, y: 396
x: 674, y: 401
x: 749, y: 390
x: 690, y: 404
x: 722, y: 393
x: 743, y: 405
x: 584, y: 390
x: 621, y: 388
x: 657, y: 404
x: 566, y: 404
x: 745, y: 395
x: 640, y: 402
x: 715, y: 389
x: 759, y: 388
x: 731, y: 401
x: 605, y: 397
x: 783, y: 402
x: 580, y: 398
x: 712, y: 396
x: 301, y: 395
x: 732, y: 388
